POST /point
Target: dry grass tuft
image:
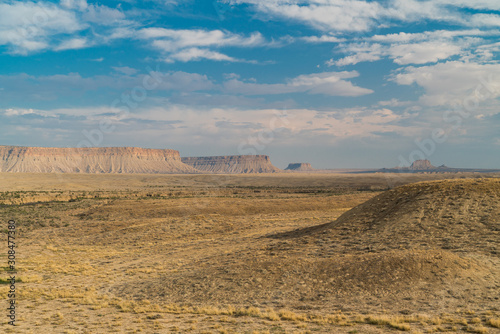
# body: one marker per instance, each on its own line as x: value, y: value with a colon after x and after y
x: 494, y: 322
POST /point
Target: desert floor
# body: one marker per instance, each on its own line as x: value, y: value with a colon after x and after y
x: 224, y: 254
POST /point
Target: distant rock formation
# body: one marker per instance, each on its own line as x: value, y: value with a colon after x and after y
x: 232, y: 164
x: 425, y: 166
x: 91, y: 160
x: 422, y: 165
x: 300, y: 166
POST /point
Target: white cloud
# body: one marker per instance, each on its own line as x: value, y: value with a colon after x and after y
x: 452, y: 82
x: 488, y: 20
x: 361, y: 52
x: 323, y: 39
x: 188, y: 45
x: 360, y: 16
x: 422, y: 53
x: 27, y: 26
x: 415, y: 10
x: 404, y: 37
x: 72, y: 44
x: 394, y: 103
x: 417, y: 48
x: 125, y: 70
x: 340, y: 15
x: 74, y: 4
x: 327, y: 83
x: 354, y: 59
x: 178, y: 39
x: 191, y: 54
x: 18, y: 112
x: 103, y: 15
x: 207, y: 126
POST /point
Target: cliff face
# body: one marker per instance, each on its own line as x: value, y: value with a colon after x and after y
x: 91, y: 160
x: 232, y: 164
x: 422, y: 165
x: 299, y: 166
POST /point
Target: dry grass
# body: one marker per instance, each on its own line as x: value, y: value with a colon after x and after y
x: 494, y: 322
x: 99, y: 254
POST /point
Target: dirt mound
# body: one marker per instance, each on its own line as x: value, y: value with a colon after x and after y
x: 459, y: 215
x: 232, y: 164
x: 300, y: 167
x: 91, y: 160
x: 425, y: 246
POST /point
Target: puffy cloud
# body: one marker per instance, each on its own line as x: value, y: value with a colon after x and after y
x: 417, y: 48
x: 182, y: 38
x: 323, y: 39
x: 340, y: 15
x: 27, y: 27
x: 361, y: 52
x: 422, y: 53
x: 187, y: 45
x: 190, y: 54
x: 361, y: 16
x: 453, y: 81
x: 491, y: 20
x: 72, y: 44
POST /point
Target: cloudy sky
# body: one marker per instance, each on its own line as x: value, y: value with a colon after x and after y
x: 337, y: 83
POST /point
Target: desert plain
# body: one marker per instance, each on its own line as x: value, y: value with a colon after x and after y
x: 253, y: 253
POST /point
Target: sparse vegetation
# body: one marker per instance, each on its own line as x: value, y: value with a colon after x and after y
x: 180, y: 254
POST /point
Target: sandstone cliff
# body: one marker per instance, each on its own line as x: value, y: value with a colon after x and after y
x: 91, y: 160
x: 300, y: 167
x: 422, y: 165
x: 232, y: 164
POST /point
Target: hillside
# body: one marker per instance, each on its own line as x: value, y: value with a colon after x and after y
x: 425, y: 246
x: 232, y: 164
x: 453, y: 214
x: 91, y: 160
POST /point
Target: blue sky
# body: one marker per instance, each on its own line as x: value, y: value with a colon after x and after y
x: 335, y: 83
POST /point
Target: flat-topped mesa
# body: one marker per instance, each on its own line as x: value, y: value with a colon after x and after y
x: 422, y: 165
x: 232, y: 164
x: 91, y: 160
x: 299, y: 167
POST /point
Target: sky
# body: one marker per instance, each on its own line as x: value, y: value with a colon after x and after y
x: 336, y: 83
